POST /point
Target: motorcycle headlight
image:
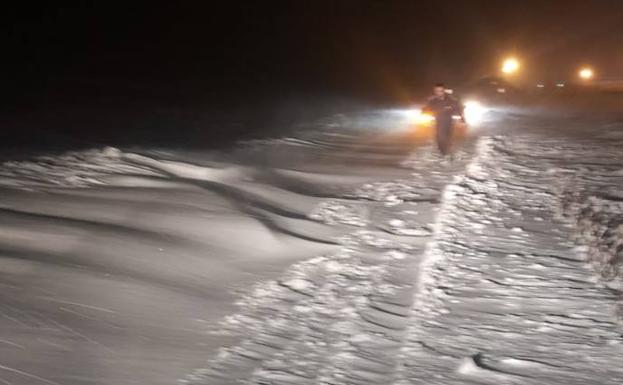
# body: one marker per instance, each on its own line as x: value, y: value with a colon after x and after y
x: 424, y: 118
x: 474, y: 112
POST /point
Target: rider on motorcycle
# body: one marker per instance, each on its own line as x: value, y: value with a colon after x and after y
x: 444, y: 107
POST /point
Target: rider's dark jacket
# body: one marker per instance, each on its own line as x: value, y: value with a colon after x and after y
x: 443, y: 108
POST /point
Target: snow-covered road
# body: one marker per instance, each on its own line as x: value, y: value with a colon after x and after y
x: 322, y: 259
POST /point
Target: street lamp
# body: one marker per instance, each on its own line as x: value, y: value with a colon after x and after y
x: 586, y: 73
x: 510, y: 66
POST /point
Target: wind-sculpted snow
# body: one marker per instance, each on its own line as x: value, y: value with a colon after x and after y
x: 591, y: 198
x: 325, y: 259
x: 116, y: 265
x: 600, y: 230
x: 332, y: 212
x: 74, y: 169
x: 506, y: 298
x: 494, y: 291
x: 339, y: 318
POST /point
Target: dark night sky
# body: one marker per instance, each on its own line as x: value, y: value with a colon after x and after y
x: 184, y: 52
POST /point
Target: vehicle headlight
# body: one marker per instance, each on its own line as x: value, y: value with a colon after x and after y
x: 474, y: 112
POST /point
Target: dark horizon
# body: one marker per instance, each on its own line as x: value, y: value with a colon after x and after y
x: 136, y: 59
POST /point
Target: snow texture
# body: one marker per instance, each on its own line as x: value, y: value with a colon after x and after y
x: 327, y: 259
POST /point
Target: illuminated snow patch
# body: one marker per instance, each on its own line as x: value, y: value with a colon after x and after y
x: 334, y: 212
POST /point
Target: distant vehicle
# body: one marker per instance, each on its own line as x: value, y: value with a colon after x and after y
x: 491, y: 89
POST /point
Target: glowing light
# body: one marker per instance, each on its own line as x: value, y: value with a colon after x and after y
x: 424, y: 118
x: 409, y: 115
x: 474, y: 112
x: 510, y: 66
x: 416, y: 116
x: 586, y: 73
x: 560, y: 85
